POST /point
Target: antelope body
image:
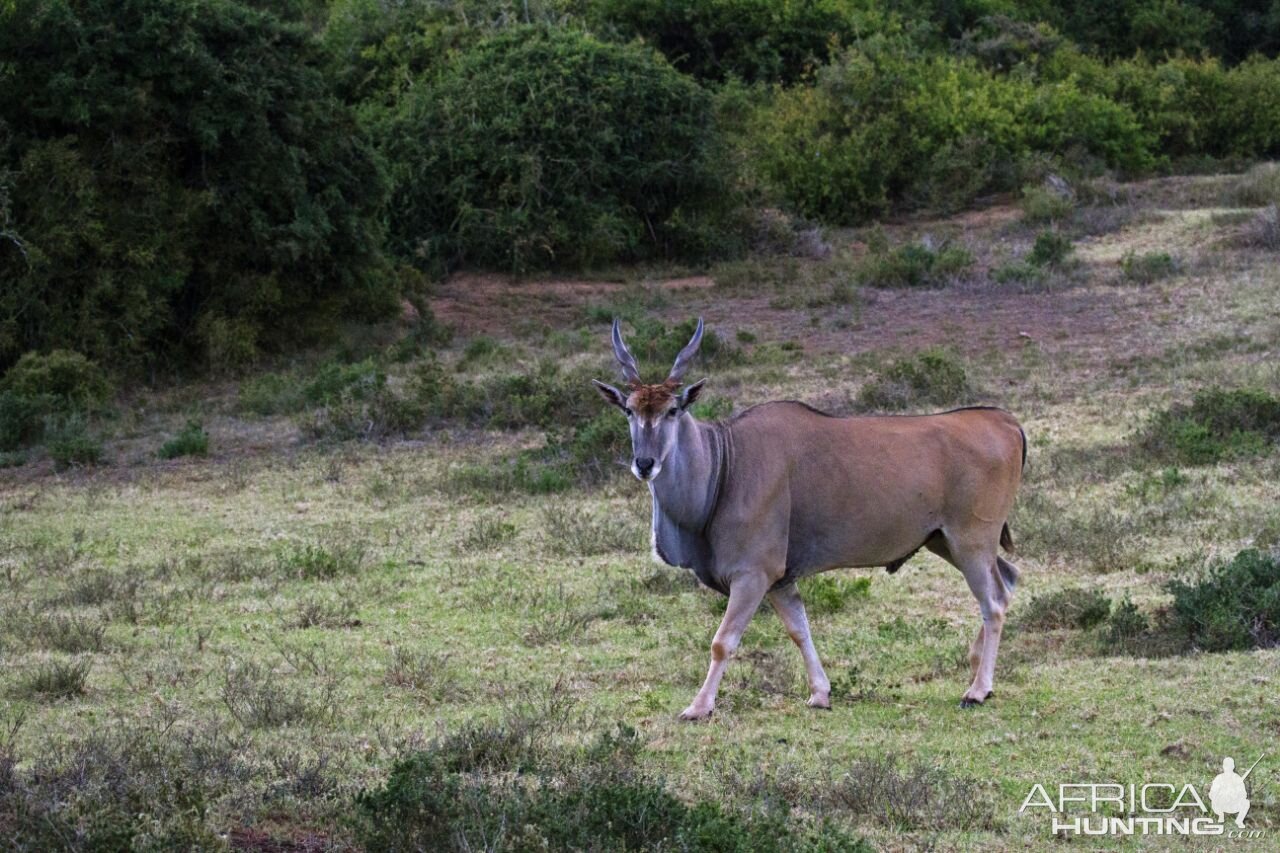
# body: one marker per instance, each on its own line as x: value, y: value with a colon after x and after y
x: 783, y: 491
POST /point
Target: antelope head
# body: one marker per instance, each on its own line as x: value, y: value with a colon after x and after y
x: 654, y: 412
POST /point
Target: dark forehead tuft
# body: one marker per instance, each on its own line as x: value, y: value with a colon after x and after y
x: 652, y: 399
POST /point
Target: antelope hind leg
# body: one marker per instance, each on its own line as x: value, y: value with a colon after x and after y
x: 790, y: 609
x: 981, y: 569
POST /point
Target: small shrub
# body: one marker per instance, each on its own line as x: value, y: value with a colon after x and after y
x: 913, y: 797
x: 317, y: 561
x: 487, y: 534
x: 913, y: 264
x: 424, y: 672
x: 322, y: 613
x: 1259, y: 187
x: 563, y: 621
x: 1262, y: 230
x: 69, y: 634
x: 1043, y: 205
x: 72, y: 382
x: 1148, y: 267
x: 1068, y: 608
x: 1217, y: 424
x: 69, y: 442
x: 930, y: 378
x: 1126, y: 624
x: 191, y: 441
x: 258, y: 698
x: 1051, y: 249
x: 826, y: 594
x: 1018, y: 272
x: 1236, y: 605
x: 56, y: 679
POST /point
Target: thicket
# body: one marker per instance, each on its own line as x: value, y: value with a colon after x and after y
x: 178, y: 180
x: 541, y: 147
x: 198, y: 184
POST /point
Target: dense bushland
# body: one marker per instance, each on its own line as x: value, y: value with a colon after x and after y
x: 197, y: 185
x: 178, y: 180
x: 543, y: 147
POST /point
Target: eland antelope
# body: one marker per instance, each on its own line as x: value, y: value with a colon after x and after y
x: 783, y: 491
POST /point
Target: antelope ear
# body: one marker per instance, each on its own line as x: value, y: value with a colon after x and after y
x: 611, y: 395
x: 689, y: 395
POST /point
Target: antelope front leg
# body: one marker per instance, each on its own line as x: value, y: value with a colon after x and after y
x: 790, y: 608
x: 744, y: 597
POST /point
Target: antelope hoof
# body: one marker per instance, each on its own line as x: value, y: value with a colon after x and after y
x: 822, y: 701
x: 696, y: 712
x: 970, y: 701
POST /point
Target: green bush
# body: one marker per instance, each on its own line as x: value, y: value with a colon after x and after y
x: 912, y: 264
x: 494, y: 781
x: 40, y: 389
x: 882, y: 121
x: 191, y: 441
x: 1217, y: 424
x: 1147, y: 267
x: 542, y: 147
x: 750, y: 40
x: 1236, y: 605
x: 929, y: 378
x: 71, y: 381
x: 1068, y: 608
x: 1042, y: 205
x: 1126, y: 625
x: 69, y: 442
x: 182, y: 182
x: 1050, y: 249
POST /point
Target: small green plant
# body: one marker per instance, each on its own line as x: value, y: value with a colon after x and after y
x: 913, y: 264
x: 1126, y: 624
x: 487, y: 534
x: 1051, y: 249
x: 826, y: 594
x: 322, y: 561
x: 55, y: 679
x: 911, y: 795
x: 191, y: 441
x: 1236, y: 605
x: 1217, y: 424
x: 1147, y: 268
x: 1042, y: 205
x: 324, y: 613
x: 929, y: 378
x: 69, y: 443
x: 259, y: 698
x: 69, y: 634
x: 424, y: 672
x: 1075, y: 607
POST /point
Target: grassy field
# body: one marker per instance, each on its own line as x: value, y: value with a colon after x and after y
x: 245, y: 640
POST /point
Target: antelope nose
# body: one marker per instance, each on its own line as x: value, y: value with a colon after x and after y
x: 644, y: 464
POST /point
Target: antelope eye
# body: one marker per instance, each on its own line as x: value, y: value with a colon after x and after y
x: 671, y: 413
x: 627, y: 412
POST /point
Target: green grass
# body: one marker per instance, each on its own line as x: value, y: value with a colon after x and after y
x: 239, y: 646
